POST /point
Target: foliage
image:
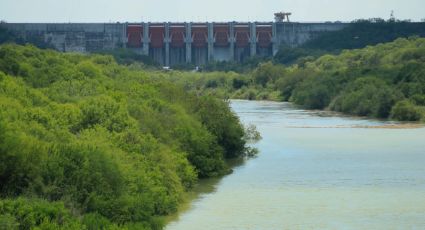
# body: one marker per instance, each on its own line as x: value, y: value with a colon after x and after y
x: 365, y: 82
x: 406, y: 111
x: 267, y: 73
x: 358, y: 34
x: 316, y: 92
x: 361, y: 33
x: 252, y: 134
x: 367, y: 97
x: 290, y: 55
x: 25, y: 214
x: 86, y: 143
x: 243, y: 66
x: 223, y: 125
x: 126, y: 57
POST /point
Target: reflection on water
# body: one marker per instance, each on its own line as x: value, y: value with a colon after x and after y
x: 315, y: 171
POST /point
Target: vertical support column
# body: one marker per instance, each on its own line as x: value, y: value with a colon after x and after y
x: 232, y: 40
x: 124, y: 35
x: 211, y: 41
x: 275, y: 42
x: 188, y: 39
x: 146, y: 38
x: 253, y: 38
x: 167, y: 41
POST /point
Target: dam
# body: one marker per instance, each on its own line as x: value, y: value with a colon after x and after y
x: 170, y: 43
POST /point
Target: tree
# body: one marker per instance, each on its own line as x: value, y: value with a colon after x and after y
x: 405, y: 111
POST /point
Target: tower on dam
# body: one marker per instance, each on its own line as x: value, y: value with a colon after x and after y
x: 170, y: 43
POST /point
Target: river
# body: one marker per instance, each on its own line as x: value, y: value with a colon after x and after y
x: 316, y: 170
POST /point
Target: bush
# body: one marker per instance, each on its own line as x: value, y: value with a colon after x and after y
x: 367, y: 97
x: 316, y: 92
x: 28, y: 214
x: 418, y: 99
x: 95, y: 221
x: 406, y: 111
x: 267, y: 72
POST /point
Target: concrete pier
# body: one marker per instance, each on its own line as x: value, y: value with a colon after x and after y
x: 167, y: 41
x: 253, y: 39
x: 232, y: 41
x: 275, y: 42
x: 210, y: 41
x: 188, y: 41
x: 146, y: 38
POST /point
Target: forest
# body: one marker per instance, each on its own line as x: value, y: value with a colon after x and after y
x: 86, y: 143
x: 383, y: 81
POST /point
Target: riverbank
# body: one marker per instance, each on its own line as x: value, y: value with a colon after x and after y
x: 385, y: 81
x: 203, y: 187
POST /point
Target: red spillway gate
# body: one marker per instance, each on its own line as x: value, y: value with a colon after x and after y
x: 242, y: 35
x: 134, y: 35
x: 177, y: 35
x: 264, y: 35
x: 221, y: 35
x: 156, y: 34
x: 199, y: 35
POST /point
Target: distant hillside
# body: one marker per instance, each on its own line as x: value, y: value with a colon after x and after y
x: 362, y: 33
x: 358, y: 34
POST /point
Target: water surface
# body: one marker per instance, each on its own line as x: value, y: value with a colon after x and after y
x: 316, y: 170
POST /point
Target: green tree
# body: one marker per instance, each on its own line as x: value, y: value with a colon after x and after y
x: 405, y: 111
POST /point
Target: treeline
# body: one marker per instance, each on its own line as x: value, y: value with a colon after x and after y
x: 358, y: 34
x: 88, y: 144
x: 382, y: 81
x: 125, y: 56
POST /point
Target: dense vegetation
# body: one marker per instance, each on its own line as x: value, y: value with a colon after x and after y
x: 361, y: 33
x: 88, y: 144
x: 382, y: 81
x: 358, y: 34
x: 127, y: 56
x: 368, y: 82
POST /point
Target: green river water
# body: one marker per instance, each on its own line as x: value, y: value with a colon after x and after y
x: 316, y: 170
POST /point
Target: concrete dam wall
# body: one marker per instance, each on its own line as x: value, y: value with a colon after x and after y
x: 175, y: 43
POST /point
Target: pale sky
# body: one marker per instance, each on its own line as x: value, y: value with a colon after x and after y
x: 199, y: 10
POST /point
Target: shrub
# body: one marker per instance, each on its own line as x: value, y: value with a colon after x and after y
x: 405, y: 111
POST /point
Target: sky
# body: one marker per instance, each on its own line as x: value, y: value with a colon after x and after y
x: 199, y: 10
